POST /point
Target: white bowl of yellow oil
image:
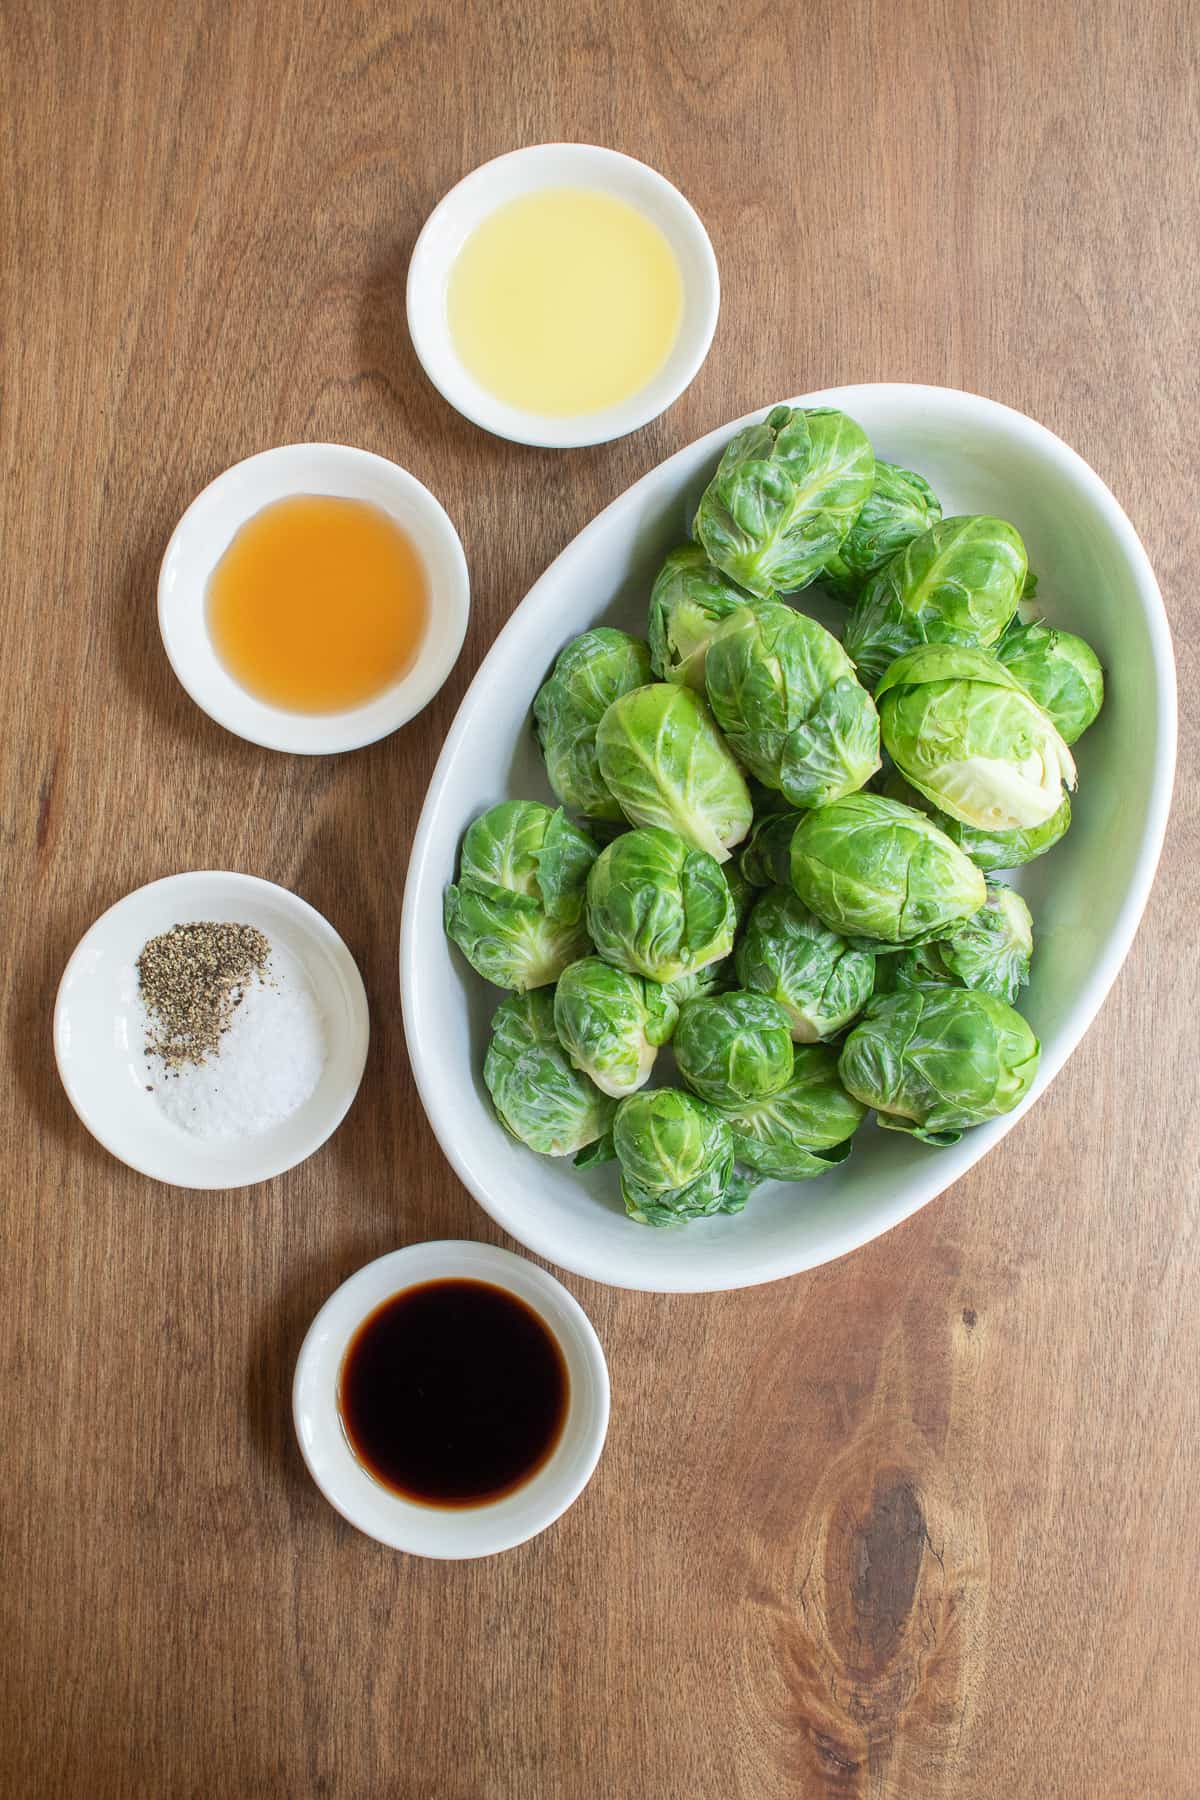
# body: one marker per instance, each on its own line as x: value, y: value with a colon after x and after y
x: 313, y: 598
x: 562, y: 295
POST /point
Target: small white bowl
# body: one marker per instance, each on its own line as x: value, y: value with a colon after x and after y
x: 449, y: 1532
x: 204, y: 534
x: 476, y: 196
x: 98, y: 1031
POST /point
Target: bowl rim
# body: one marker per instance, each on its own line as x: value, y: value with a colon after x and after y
x: 1093, y: 991
x: 271, y: 727
x: 467, y: 396
x: 447, y: 1534
x: 316, y: 926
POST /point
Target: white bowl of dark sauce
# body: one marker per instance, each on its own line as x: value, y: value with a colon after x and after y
x: 451, y: 1400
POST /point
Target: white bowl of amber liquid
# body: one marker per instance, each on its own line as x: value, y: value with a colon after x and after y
x: 313, y: 598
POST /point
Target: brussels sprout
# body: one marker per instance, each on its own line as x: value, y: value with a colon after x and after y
x: 516, y: 910
x: 538, y: 1096
x: 687, y: 603
x: 802, y: 1129
x: 610, y: 1023
x: 784, y: 497
x: 734, y: 1047
x: 601, y: 1150
x: 991, y: 951
x: 784, y: 692
x: 988, y: 850
x: 592, y: 672
x: 870, y: 868
x: 934, y: 1061
x: 676, y: 1157
x: 958, y: 583
x: 900, y: 506
x: 766, y: 857
x: 523, y: 852
x: 820, y: 982
x: 740, y: 892
x: 665, y: 763
x: 712, y: 980
x: 993, y: 850
x: 1061, y: 672
x: 658, y: 908
x: 964, y: 732
x: 512, y: 945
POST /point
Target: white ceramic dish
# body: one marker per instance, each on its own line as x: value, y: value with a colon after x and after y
x: 430, y: 1530
x: 203, y: 535
x: 1086, y: 896
x: 521, y: 172
x: 98, y: 1031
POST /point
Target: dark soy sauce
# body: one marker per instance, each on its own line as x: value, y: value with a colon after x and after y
x: 453, y: 1393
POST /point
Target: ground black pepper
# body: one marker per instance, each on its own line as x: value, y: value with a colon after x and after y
x: 192, y: 980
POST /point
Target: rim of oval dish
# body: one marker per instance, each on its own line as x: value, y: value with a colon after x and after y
x: 429, y: 267
x: 1076, y: 1021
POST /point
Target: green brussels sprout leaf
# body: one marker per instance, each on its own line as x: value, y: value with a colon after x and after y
x: 991, y: 951
x: 934, y: 1061
x: 900, y: 506
x: 687, y: 603
x: 802, y: 1129
x: 539, y: 1098
x: 873, y: 870
x: 964, y: 732
x: 658, y: 908
x: 734, y: 1047
x: 590, y: 673
x: 666, y: 764
x: 811, y: 972
x: 784, y: 497
x: 784, y: 692
x: 1060, y: 671
x: 958, y: 583
x: 766, y: 857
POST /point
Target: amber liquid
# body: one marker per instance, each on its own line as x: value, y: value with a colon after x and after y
x: 319, y: 604
x: 453, y: 1393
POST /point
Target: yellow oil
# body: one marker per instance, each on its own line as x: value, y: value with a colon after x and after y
x: 565, y: 301
x: 319, y: 604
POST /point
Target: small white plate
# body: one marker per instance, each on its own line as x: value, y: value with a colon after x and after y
x: 98, y: 1031
x: 449, y: 1532
x: 204, y: 534
x: 477, y: 195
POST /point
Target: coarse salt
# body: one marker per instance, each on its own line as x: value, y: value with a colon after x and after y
x: 267, y: 1064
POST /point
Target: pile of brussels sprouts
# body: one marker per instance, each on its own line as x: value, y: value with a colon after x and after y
x: 781, y: 870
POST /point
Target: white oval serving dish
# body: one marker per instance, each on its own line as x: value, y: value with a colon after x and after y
x: 1087, y: 895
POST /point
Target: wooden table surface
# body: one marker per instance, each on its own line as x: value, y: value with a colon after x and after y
x: 922, y: 1523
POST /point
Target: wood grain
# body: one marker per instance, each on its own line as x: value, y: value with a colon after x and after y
x: 921, y: 1524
